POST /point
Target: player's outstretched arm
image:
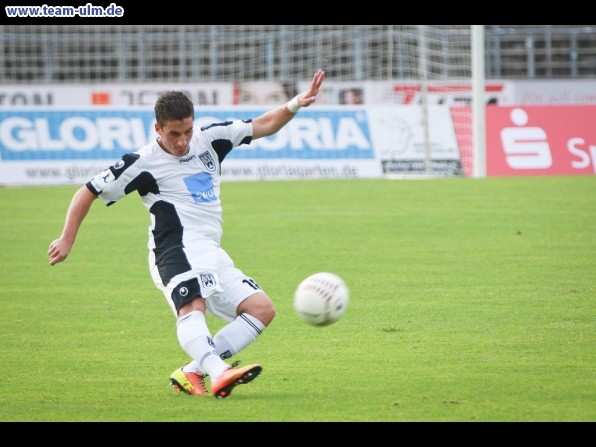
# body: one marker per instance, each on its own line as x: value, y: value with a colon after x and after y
x: 273, y: 120
x: 78, y: 209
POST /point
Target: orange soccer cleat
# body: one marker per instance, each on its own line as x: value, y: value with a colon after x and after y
x: 189, y: 382
x: 231, y: 377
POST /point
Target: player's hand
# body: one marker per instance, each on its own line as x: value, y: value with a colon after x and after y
x: 308, y: 97
x: 58, y: 251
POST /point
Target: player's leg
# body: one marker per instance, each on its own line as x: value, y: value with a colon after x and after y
x: 240, y: 332
x: 253, y: 315
x: 196, y: 341
x: 194, y: 335
x: 245, y: 305
x: 248, y: 310
x: 184, y: 293
x: 224, y: 288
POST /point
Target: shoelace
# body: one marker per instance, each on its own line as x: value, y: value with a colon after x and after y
x: 202, y: 382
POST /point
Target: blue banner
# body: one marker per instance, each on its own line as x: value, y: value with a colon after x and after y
x: 67, y: 134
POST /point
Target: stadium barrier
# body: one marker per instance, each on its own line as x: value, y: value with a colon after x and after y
x: 43, y: 146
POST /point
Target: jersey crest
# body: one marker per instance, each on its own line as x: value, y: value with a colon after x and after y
x: 208, y: 161
x: 207, y: 280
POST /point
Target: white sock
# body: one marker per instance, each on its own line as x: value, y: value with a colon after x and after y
x: 237, y: 335
x: 195, y: 339
x: 194, y: 367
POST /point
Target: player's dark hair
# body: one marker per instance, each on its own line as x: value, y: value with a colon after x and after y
x: 173, y: 105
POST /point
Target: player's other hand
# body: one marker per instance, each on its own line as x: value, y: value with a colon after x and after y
x: 308, y: 97
x: 58, y: 251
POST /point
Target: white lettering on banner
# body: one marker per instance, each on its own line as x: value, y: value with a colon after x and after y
x: 349, y: 134
x: 76, y: 133
x: 43, y: 134
x: 307, y: 131
x: 22, y: 140
x: 70, y: 129
x: 525, y: 147
x: 585, y: 158
x: 315, y: 134
x: 108, y: 133
x: 584, y: 161
x: 128, y: 133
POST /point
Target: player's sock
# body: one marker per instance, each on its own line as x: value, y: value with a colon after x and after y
x: 237, y: 335
x: 194, y: 367
x: 195, y: 339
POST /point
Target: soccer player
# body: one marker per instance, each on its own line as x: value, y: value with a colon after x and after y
x: 177, y: 177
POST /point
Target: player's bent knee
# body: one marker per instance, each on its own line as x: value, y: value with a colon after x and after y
x: 267, y: 315
x: 259, y: 306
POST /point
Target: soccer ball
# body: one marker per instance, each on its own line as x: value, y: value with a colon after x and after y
x: 321, y: 299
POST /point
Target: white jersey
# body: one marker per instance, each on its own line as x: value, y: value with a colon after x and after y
x: 182, y: 194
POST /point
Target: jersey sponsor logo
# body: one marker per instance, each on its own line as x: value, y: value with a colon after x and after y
x: 186, y: 159
x: 208, y: 161
x: 200, y: 187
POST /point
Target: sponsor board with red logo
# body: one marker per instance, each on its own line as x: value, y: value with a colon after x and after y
x: 541, y: 140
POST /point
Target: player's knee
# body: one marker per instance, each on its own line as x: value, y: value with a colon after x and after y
x: 259, y: 306
x: 264, y: 311
x: 268, y: 314
x: 198, y: 303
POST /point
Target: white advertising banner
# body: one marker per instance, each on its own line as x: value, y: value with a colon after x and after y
x: 455, y: 93
x: 560, y: 92
x: 449, y: 93
x: 403, y: 146
x: 121, y: 95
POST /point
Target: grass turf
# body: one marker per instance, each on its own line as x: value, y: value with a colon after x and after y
x: 472, y: 300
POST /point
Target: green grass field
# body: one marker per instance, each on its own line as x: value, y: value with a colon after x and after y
x: 472, y: 300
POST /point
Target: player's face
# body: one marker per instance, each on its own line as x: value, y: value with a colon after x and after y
x: 174, y: 137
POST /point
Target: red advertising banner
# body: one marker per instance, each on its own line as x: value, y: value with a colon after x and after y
x: 541, y: 140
